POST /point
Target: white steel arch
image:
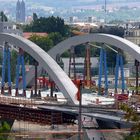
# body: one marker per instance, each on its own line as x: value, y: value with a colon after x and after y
x: 119, y: 42
x: 63, y: 82
x: 123, y: 44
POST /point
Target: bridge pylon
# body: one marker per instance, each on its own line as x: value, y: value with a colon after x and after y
x: 6, y: 60
x: 119, y: 64
x: 103, y: 63
x: 20, y: 62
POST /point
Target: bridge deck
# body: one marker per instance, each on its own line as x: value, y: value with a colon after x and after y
x: 36, y: 115
x: 107, y: 117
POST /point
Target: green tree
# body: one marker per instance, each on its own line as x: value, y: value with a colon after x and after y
x: 48, y: 25
x: 131, y: 115
x: 56, y: 37
x: 3, y: 17
x: 4, y: 130
x: 80, y: 50
x: 35, y: 17
x: 43, y: 41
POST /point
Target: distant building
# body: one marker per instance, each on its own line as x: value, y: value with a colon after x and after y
x: 132, y: 34
x: 11, y: 28
x: 29, y: 19
x: 91, y: 19
x: 73, y: 19
x: 20, y: 11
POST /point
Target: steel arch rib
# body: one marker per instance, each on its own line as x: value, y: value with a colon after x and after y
x: 47, y: 62
x: 119, y: 42
x: 60, y: 48
x: 125, y: 45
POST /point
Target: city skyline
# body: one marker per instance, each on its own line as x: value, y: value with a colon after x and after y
x: 20, y: 11
x: 76, y: 8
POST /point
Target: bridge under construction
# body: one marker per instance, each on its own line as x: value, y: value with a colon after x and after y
x: 35, y: 109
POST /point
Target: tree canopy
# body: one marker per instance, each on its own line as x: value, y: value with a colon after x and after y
x: 58, y: 31
x: 43, y: 41
x: 48, y: 41
x: 4, y: 130
x: 35, y: 17
x: 48, y: 25
x: 3, y: 17
x: 131, y: 115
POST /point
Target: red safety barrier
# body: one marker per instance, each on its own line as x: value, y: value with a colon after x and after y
x: 43, y: 81
x: 121, y: 97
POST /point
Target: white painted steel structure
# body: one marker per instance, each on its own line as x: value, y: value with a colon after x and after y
x: 123, y: 44
x: 63, y: 82
x: 61, y: 79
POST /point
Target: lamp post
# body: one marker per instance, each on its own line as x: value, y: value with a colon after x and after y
x: 35, y: 64
x: 137, y: 75
x: 80, y: 109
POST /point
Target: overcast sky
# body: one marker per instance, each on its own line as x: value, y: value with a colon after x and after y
x: 52, y: 0
x: 83, y: 1
x: 65, y: 0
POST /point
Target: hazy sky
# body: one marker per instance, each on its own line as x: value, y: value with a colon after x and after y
x: 65, y: 0
x: 52, y: 0
x: 8, y: 0
x: 72, y: 0
x: 77, y: 1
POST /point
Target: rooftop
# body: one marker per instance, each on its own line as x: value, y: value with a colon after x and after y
x: 27, y: 35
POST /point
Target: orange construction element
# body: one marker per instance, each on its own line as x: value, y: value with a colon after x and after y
x: 78, y: 32
x: 78, y: 84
